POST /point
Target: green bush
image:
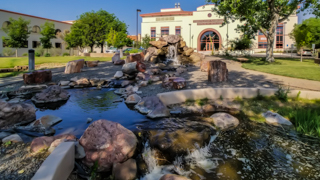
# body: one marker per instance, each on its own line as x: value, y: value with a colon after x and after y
x: 241, y: 44
x: 40, y: 51
x: 47, y: 55
x: 282, y: 94
x: 55, y: 51
x: 65, y: 54
x: 306, y: 121
x: 135, y: 51
x: 37, y: 54
x: 25, y: 54
x: 7, y: 51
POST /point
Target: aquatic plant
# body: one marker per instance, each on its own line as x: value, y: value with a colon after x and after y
x: 306, y: 121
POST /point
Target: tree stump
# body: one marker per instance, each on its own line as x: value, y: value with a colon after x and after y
x: 74, y: 66
x: 217, y: 71
x: 37, y: 77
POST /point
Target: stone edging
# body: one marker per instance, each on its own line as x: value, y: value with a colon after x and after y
x: 175, y: 97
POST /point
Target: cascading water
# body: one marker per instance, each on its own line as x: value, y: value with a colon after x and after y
x: 173, y: 54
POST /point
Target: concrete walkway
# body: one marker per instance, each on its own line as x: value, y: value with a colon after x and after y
x: 277, y: 79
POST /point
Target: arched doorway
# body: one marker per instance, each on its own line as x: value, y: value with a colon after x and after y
x: 208, y: 40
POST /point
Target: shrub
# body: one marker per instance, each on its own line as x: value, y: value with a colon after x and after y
x: 55, y: 51
x: 306, y: 121
x: 25, y: 54
x: 47, y: 55
x: 37, y: 54
x: 7, y: 51
x: 135, y: 51
x: 241, y: 44
x: 65, y: 54
x: 40, y: 51
x: 282, y: 94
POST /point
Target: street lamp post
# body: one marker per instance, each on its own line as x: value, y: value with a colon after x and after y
x: 138, y: 10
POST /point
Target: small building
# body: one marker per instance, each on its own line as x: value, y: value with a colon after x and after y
x: 35, y: 27
x: 202, y: 30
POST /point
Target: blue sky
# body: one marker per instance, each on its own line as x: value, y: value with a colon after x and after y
x: 125, y: 10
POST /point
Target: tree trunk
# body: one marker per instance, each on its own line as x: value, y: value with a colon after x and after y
x: 102, y: 47
x: 269, y: 51
x: 91, y: 47
x: 271, y: 33
x: 301, y: 54
x: 121, y: 52
x: 16, y: 52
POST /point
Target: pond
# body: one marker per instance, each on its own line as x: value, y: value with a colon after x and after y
x: 251, y: 151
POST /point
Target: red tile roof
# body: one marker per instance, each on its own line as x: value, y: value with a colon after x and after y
x: 33, y: 16
x: 173, y: 13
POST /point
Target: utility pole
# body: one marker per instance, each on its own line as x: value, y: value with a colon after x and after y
x: 138, y: 10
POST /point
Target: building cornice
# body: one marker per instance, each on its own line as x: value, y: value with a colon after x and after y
x: 173, y: 13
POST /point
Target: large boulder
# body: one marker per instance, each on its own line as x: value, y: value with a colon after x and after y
x: 37, y: 77
x: 141, y: 67
x: 276, y: 119
x: 134, y: 58
x: 174, y: 83
x: 196, y: 57
x: 204, y: 66
x: 107, y: 142
x: 44, y: 142
x: 217, y: 71
x: 12, y: 113
x: 153, y: 107
x: 224, y: 121
x: 152, y: 51
x: 188, y: 52
x: 12, y: 138
x: 46, y: 121
x: 118, y: 74
x: 182, y: 44
x: 92, y: 63
x: 158, y: 44
x: 173, y: 177
x: 125, y: 171
x: 74, y: 66
x: 172, y: 39
x: 129, y: 68
x: 83, y: 82
x: 116, y: 57
x: 119, y: 62
x: 133, y: 99
x: 175, y: 137
x: 52, y: 94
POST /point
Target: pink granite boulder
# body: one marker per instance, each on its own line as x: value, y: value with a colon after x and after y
x: 45, y: 142
x: 107, y: 142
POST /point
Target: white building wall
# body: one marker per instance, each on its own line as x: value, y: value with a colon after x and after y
x: 34, y: 21
x: 202, y: 13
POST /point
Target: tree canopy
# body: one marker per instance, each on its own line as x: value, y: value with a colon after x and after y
x: 48, y: 32
x: 18, y: 34
x: 92, y: 28
x: 307, y: 33
x: 262, y: 15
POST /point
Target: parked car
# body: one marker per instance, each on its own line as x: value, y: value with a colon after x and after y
x: 112, y: 50
x: 127, y: 50
x: 305, y: 52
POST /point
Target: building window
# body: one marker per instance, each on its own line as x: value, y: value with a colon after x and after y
x: 25, y: 45
x: 4, y: 44
x: 36, y: 44
x: 153, y: 34
x: 58, y: 45
x: 279, y: 37
x: 36, y: 29
x: 5, y: 24
x: 164, y: 31
x: 262, y: 45
x: 209, y: 41
x: 178, y: 30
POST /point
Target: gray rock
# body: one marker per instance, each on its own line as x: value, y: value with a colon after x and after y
x: 118, y: 74
x: 64, y: 83
x: 12, y: 138
x: 52, y: 94
x: 120, y: 91
x: 129, y: 68
x: 46, y: 121
x: 153, y: 107
x: 4, y: 134
x: 79, y: 151
x: 224, y: 121
x: 276, y: 119
x: 125, y: 171
x: 133, y: 99
x: 116, y: 57
x: 89, y: 120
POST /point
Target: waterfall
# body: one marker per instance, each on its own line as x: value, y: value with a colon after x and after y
x: 173, y: 54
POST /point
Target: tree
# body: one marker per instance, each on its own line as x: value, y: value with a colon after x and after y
x: 117, y: 39
x: 129, y: 42
x: 262, y: 15
x: 242, y: 44
x: 75, y: 38
x: 306, y: 34
x: 18, y: 34
x: 62, y: 36
x: 48, y: 32
x: 145, y: 41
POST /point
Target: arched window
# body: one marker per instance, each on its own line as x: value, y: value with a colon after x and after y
x: 209, y: 41
x: 58, y: 31
x: 5, y: 24
x: 36, y: 29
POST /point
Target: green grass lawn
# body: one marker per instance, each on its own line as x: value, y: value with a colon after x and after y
x: 10, y: 62
x: 286, y: 67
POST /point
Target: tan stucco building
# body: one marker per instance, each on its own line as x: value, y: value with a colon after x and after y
x: 202, y: 30
x: 35, y: 27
